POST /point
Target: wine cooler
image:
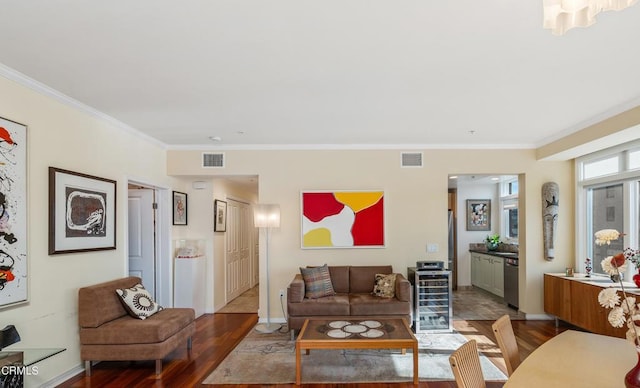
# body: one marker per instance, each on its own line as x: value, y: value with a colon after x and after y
x: 432, y: 300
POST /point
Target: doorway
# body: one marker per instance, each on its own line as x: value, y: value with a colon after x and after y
x: 142, y: 237
x: 148, y: 239
x: 238, y: 248
x: 471, y: 300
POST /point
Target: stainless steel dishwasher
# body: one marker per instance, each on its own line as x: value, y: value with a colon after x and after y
x: 511, y: 281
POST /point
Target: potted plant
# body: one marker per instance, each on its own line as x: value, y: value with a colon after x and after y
x: 493, y: 242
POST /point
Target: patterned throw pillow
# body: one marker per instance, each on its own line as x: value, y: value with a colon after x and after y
x: 317, y: 282
x: 138, y: 301
x: 385, y: 285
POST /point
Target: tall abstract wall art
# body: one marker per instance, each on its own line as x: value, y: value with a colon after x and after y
x: 342, y: 219
x: 13, y: 213
x: 550, y: 202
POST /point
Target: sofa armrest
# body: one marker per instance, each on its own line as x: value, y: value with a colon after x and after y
x: 296, y: 291
x: 403, y: 288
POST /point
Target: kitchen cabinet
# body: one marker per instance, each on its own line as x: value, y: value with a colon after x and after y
x: 497, y: 272
x: 475, y: 268
x: 487, y: 272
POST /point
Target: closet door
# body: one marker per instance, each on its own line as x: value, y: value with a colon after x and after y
x: 238, y: 246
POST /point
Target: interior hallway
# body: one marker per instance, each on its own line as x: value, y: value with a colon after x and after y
x: 247, y: 302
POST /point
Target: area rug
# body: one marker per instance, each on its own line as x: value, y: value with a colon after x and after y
x: 270, y: 359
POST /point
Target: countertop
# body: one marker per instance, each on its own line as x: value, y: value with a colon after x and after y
x: 511, y: 255
x: 600, y: 281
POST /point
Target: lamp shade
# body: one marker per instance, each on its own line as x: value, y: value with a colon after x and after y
x: 563, y: 15
x: 266, y: 216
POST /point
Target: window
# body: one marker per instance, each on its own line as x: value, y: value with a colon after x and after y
x: 634, y: 160
x: 608, y: 197
x: 509, y: 205
x: 605, y: 210
x: 601, y: 167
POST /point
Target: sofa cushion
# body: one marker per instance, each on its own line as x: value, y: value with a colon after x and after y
x: 362, y: 278
x: 367, y: 304
x: 337, y: 304
x: 317, y: 282
x: 385, y: 285
x: 340, y: 278
x: 128, y: 330
x: 138, y: 301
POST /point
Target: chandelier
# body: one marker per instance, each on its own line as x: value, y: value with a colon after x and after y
x: 563, y: 15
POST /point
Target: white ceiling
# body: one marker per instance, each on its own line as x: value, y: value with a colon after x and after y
x: 302, y: 73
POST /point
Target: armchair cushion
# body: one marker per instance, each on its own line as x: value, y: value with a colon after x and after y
x: 138, y: 302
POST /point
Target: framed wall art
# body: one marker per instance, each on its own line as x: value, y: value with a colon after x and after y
x: 82, y: 212
x: 13, y: 213
x: 179, y: 208
x: 220, y: 215
x: 478, y: 214
x: 342, y: 219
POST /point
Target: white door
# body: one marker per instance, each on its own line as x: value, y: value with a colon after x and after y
x: 238, y: 247
x: 142, y: 238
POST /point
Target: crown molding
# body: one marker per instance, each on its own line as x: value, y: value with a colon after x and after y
x: 346, y: 147
x: 45, y: 90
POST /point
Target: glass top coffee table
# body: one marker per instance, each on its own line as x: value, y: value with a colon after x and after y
x: 349, y: 333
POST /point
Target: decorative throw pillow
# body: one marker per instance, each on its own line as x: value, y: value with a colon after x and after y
x: 138, y: 301
x: 317, y: 282
x: 385, y: 285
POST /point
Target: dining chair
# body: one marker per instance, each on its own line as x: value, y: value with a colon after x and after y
x: 465, y: 364
x: 507, y: 342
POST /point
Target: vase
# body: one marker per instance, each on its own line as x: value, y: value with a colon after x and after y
x: 636, y: 279
x: 632, y: 378
x: 491, y: 246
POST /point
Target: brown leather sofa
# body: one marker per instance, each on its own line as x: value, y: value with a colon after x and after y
x: 109, y: 333
x: 353, y: 299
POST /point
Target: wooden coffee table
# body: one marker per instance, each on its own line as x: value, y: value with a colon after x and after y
x: 350, y: 333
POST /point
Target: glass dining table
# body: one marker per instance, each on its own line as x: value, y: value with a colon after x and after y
x: 576, y: 359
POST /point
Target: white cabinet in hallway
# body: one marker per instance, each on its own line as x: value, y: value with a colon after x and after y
x: 487, y: 272
x: 190, y: 275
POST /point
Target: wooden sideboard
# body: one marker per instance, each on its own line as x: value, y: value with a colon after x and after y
x: 575, y: 300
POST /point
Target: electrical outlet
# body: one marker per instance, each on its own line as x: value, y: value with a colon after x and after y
x: 281, y: 293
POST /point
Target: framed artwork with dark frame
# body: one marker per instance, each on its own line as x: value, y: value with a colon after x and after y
x: 179, y: 208
x: 478, y: 214
x: 82, y: 212
x: 220, y: 216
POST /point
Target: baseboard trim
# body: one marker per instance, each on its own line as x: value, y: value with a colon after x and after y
x: 65, y: 376
x: 539, y: 317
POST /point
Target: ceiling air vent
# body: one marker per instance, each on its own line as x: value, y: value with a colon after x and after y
x: 213, y: 159
x: 411, y: 159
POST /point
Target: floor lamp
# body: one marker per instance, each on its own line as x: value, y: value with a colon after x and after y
x: 267, y: 217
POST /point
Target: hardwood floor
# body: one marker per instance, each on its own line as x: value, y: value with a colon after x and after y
x: 217, y: 334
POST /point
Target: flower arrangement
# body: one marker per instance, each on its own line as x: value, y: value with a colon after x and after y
x: 625, y: 310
